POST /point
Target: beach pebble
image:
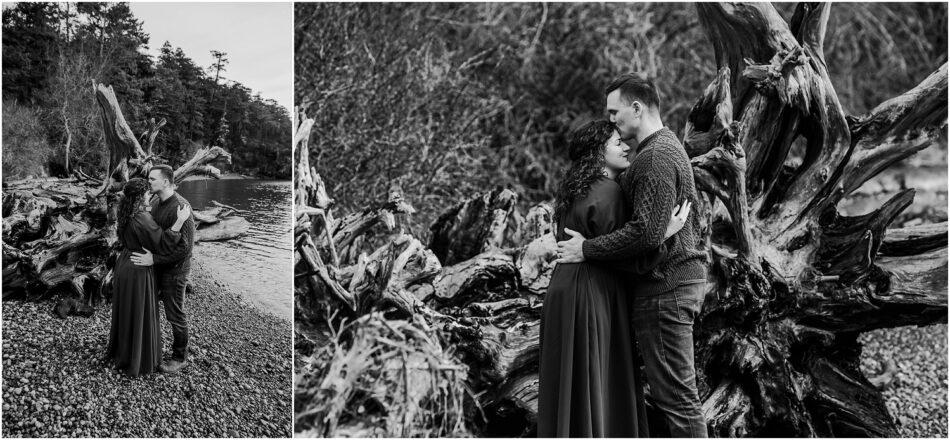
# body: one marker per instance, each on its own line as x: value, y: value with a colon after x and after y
x: 917, y: 399
x: 56, y: 385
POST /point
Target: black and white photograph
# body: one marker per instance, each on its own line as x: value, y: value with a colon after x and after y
x: 147, y: 227
x: 620, y: 220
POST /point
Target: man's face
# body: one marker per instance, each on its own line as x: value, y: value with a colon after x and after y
x: 156, y: 181
x: 627, y: 116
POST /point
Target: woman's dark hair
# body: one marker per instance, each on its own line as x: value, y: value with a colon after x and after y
x: 586, y: 150
x: 132, y: 195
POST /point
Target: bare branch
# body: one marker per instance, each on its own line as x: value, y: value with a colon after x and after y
x: 809, y: 24
x: 914, y: 240
x: 199, y: 164
x: 896, y: 129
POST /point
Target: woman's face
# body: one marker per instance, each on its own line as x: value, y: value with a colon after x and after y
x: 615, y: 153
x: 143, y: 201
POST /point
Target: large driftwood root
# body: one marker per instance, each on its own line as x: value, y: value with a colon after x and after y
x: 59, y: 234
x: 793, y: 282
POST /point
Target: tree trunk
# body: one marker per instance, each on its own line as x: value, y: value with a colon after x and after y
x: 792, y: 281
x: 69, y: 135
x: 59, y: 234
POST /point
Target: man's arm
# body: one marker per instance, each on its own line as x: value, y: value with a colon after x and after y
x: 184, y: 245
x: 652, y: 206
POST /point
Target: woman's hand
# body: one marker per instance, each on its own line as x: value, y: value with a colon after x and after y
x: 680, y: 213
x: 184, y: 211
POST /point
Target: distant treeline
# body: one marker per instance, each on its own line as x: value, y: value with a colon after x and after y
x: 52, y: 54
x: 451, y: 99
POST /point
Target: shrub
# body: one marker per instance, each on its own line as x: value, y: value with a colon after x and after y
x: 449, y: 100
x: 26, y: 152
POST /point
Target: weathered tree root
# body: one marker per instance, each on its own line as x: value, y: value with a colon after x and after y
x: 59, y: 234
x: 792, y: 281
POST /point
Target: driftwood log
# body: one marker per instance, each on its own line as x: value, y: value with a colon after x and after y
x: 219, y: 223
x: 59, y: 234
x: 793, y: 282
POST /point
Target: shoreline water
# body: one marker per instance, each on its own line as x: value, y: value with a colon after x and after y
x: 256, y: 265
x: 237, y: 384
x: 233, y: 176
x: 251, y: 296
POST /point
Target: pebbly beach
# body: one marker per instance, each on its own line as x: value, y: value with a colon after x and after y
x: 237, y: 383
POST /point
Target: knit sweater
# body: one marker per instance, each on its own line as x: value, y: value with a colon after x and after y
x: 165, y: 213
x: 659, y: 178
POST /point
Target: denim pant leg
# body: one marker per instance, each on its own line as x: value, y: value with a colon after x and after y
x: 173, y: 283
x: 664, y: 328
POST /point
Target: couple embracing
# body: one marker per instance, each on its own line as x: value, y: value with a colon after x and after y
x: 166, y: 226
x: 628, y: 267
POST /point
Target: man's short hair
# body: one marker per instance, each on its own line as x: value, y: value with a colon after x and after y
x: 166, y: 171
x: 635, y: 87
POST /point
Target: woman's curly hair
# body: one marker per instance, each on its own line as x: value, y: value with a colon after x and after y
x: 132, y: 195
x: 586, y: 149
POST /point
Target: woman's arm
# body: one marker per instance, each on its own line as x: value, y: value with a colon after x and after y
x: 159, y: 241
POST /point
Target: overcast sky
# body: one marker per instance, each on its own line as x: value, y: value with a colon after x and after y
x: 258, y: 38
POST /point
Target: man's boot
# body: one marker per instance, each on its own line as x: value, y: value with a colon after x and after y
x: 172, y: 366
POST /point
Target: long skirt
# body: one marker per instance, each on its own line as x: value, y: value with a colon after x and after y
x: 588, y: 383
x: 135, y: 340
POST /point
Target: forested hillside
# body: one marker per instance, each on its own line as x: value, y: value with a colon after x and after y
x: 52, y: 54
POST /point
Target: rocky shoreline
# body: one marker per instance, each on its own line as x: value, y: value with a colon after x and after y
x: 237, y: 383
x: 917, y: 397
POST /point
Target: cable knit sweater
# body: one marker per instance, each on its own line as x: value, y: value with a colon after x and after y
x: 165, y: 213
x: 659, y: 178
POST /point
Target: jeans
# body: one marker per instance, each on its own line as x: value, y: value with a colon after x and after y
x: 172, y: 283
x: 664, y: 329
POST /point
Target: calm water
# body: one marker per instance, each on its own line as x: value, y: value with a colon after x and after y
x: 258, y: 264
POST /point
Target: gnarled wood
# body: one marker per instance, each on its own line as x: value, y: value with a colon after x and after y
x: 352, y: 226
x: 125, y: 154
x: 472, y: 227
x: 199, y: 163
x: 914, y: 240
x: 896, y: 129
x: 151, y: 132
x: 792, y: 281
x: 59, y: 234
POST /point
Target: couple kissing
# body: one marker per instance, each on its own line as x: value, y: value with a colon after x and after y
x: 142, y: 277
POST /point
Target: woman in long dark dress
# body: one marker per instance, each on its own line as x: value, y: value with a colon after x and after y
x: 135, y: 339
x: 588, y: 385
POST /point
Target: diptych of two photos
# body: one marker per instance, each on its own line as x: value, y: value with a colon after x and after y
x: 474, y: 219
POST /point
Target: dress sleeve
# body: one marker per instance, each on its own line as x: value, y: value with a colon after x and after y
x: 159, y: 241
x: 605, y: 208
x: 607, y: 213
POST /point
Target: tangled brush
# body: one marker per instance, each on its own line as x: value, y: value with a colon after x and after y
x: 382, y: 378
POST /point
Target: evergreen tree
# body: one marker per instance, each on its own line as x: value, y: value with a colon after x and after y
x: 52, y: 54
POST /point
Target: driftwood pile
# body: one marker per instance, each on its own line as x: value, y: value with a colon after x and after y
x: 477, y: 286
x: 792, y: 281
x: 59, y: 234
